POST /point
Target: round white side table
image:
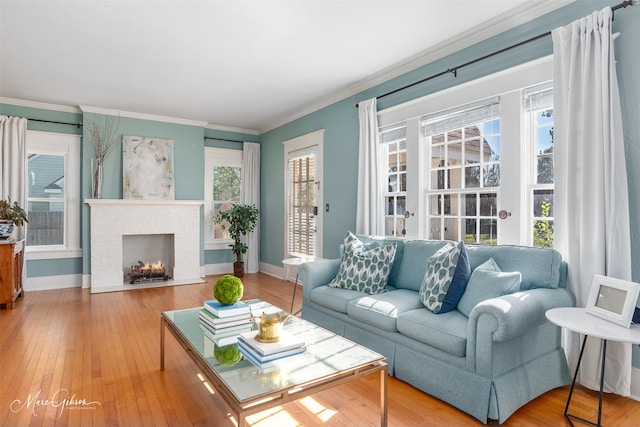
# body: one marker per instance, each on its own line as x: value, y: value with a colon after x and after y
x: 295, y: 262
x: 578, y: 320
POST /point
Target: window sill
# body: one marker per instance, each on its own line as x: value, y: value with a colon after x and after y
x: 216, y: 246
x: 32, y: 254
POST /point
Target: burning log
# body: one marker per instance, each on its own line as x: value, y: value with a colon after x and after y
x: 145, y: 272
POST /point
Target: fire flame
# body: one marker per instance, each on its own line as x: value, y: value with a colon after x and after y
x: 153, y: 267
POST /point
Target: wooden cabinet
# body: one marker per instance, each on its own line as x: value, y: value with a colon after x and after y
x: 11, y: 261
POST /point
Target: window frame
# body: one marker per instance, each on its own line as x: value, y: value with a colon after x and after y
x: 215, y: 156
x: 68, y: 146
x: 509, y: 86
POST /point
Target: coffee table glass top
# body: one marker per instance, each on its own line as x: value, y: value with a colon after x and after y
x: 327, y: 354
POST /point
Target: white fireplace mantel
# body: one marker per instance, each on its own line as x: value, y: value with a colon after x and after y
x: 113, y: 218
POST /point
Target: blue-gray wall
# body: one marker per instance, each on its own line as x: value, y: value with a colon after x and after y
x: 340, y: 122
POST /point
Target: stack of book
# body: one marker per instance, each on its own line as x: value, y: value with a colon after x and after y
x: 223, y: 323
x: 260, y: 353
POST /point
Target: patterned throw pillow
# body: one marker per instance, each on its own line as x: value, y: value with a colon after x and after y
x: 441, y: 268
x: 363, y: 268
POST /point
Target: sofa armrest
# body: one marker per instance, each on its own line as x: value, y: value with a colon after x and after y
x: 316, y: 273
x: 499, y: 320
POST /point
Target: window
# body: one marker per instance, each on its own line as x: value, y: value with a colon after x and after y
x: 303, y: 198
x: 475, y: 161
x: 302, y: 209
x: 53, y: 195
x: 223, y: 172
x: 394, y: 143
x: 464, y: 172
x: 539, y: 107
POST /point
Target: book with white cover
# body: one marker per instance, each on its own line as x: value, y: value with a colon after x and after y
x: 257, y: 358
x: 215, y: 320
x: 220, y: 310
x: 287, y: 342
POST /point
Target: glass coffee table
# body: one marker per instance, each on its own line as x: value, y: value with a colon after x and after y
x: 329, y: 360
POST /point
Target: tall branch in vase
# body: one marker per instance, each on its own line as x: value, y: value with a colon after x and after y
x: 104, y: 141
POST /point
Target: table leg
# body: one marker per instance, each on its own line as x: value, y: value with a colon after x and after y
x: 569, y: 416
x: 383, y: 398
x: 162, y: 328
x: 293, y: 298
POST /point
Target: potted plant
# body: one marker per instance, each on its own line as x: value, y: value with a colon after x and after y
x: 11, y: 214
x: 239, y: 220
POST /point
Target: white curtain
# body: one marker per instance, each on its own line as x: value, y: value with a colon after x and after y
x: 13, y: 164
x: 592, y: 206
x: 370, y: 204
x: 250, y: 195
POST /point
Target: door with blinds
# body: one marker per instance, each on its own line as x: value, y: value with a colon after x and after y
x: 303, y: 227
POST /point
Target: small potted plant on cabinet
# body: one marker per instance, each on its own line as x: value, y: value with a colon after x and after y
x: 11, y: 214
x: 239, y: 220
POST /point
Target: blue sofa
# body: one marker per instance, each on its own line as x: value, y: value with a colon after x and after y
x: 488, y: 364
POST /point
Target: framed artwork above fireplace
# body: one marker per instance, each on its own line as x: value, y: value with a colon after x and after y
x: 147, y: 168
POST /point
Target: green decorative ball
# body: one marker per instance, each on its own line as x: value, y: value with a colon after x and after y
x: 228, y: 290
x: 227, y: 355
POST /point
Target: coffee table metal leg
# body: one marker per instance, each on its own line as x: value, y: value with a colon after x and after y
x: 162, y: 328
x: 383, y: 398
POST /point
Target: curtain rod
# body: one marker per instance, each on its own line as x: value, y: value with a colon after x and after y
x: 223, y: 139
x: 78, y: 125
x: 454, y: 70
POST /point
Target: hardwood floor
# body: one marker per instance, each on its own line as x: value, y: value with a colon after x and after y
x: 70, y: 358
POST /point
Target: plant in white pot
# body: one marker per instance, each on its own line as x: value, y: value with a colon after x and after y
x: 11, y: 214
x: 239, y: 220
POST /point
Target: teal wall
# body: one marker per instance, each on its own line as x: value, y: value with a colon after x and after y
x: 188, y: 158
x: 340, y: 121
x: 189, y: 146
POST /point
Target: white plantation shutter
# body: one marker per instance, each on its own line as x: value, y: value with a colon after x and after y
x: 301, y: 227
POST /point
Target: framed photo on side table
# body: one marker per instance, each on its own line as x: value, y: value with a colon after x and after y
x: 612, y: 299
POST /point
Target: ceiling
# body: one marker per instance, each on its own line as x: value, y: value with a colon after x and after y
x: 237, y: 65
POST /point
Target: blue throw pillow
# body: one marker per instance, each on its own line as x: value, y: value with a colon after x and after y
x: 488, y: 281
x: 459, y: 282
x: 446, y: 277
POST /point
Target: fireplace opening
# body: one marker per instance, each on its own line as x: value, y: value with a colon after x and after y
x: 147, y: 258
x: 144, y: 272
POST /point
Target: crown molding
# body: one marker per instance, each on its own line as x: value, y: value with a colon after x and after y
x: 40, y: 105
x: 469, y: 38
x: 231, y: 129
x: 142, y: 116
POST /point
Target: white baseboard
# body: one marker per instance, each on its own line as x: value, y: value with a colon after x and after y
x: 272, y: 270
x: 46, y: 283
x: 224, y: 268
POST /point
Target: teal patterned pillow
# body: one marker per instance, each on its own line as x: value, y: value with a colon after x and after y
x: 441, y: 268
x: 363, y: 268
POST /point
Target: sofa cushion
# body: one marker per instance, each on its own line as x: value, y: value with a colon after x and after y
x: 540, y: 267
x: 334, y: 298
x: 446, y: 278
x: 382, y: 310
x: 414, y: 262
x: 488, y: 281
x: 362, y: 268
x: 447, y: 331
x: 459, y: 282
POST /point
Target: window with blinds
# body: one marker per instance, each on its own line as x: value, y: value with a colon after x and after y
x: 463, y: 172
x: 301, y: 209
